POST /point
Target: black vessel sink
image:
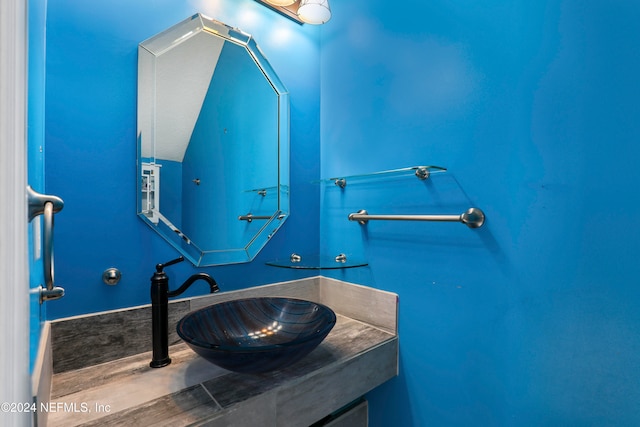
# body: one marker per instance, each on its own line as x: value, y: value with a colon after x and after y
x: 256, y: 335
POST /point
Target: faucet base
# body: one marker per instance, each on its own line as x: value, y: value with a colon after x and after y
x: 160, y: 309
x: 160, y: 363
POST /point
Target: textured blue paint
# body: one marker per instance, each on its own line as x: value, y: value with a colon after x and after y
x: 533, y: 319
x: 91, y: 77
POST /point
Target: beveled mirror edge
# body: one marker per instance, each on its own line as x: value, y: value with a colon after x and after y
x: 181, y: 243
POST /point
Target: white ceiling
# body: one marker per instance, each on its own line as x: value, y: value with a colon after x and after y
x: 182, y: 78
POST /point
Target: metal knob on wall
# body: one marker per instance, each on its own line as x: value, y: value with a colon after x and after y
x: 111, y: 276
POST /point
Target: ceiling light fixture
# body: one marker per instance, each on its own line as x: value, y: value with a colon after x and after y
x: 301, y: 11
x: 314, y: 11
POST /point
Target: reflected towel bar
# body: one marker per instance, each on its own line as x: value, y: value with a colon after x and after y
x: 250, y: 217
x: 472, y: 218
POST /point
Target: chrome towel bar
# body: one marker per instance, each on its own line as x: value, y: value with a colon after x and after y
x: 472, y: 218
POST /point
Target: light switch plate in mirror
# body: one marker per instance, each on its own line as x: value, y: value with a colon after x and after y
x: 213, y: 142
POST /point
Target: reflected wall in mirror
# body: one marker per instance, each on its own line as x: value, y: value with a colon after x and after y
x: 213, y: 142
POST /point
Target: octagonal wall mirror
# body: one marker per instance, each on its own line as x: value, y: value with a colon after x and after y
x: 213, y: 142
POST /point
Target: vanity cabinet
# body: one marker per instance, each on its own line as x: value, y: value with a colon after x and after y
x: 355, y: 415
x: 150, y: 176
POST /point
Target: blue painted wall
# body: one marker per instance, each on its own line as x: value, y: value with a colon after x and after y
x: 91, y: 78
x: 533, y: 319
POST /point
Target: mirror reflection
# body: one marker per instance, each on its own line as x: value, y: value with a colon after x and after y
x: 213, y: 142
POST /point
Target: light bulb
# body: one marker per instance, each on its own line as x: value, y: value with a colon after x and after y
x: 314, y: 11
x: 281, y: 2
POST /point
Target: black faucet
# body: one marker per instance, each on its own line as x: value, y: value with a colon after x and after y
x: 160, y: 309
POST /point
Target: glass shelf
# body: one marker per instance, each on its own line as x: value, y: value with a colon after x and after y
x: 318, y: 262
x: 421, y: 172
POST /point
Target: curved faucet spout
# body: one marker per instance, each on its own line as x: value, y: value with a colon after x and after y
x: 213, y: 286
x: 160, y: 309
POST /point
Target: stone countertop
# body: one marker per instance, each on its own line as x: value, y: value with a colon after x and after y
x: 353, y: 359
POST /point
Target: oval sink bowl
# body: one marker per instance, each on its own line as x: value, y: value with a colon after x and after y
x: 256, y: 335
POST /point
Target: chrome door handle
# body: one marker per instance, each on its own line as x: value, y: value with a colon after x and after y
x: 47, y: 206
